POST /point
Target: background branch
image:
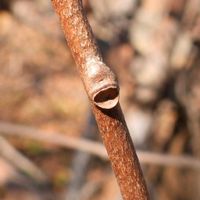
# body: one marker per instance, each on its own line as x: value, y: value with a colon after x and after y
x: 94, y: 148
x: 8, y: 152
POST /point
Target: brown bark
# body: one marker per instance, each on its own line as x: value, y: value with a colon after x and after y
x: 103, y: 91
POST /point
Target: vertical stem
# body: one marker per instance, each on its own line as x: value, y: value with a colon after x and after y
x: 103, y: 91
x: 121, y: 153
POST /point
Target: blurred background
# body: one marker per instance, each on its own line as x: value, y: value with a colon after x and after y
x: 49, y: 144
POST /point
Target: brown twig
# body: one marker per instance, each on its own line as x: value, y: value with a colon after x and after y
x: 99, y: 81
x: 94, y: 148
x: 103, y: 91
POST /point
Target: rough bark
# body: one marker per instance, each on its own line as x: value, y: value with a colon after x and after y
x: 103, y: 91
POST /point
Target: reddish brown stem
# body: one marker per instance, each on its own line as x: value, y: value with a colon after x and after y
x: 103, y: 91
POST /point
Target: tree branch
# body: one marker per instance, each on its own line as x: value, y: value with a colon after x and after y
x: 103, y: 91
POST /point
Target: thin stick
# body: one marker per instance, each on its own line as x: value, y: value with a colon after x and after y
x: 103, y: 91
x: 80, y: 163
x: 94, y: 148
x: 21, y: 162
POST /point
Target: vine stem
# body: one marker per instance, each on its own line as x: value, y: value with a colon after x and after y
x: 103, y: 91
